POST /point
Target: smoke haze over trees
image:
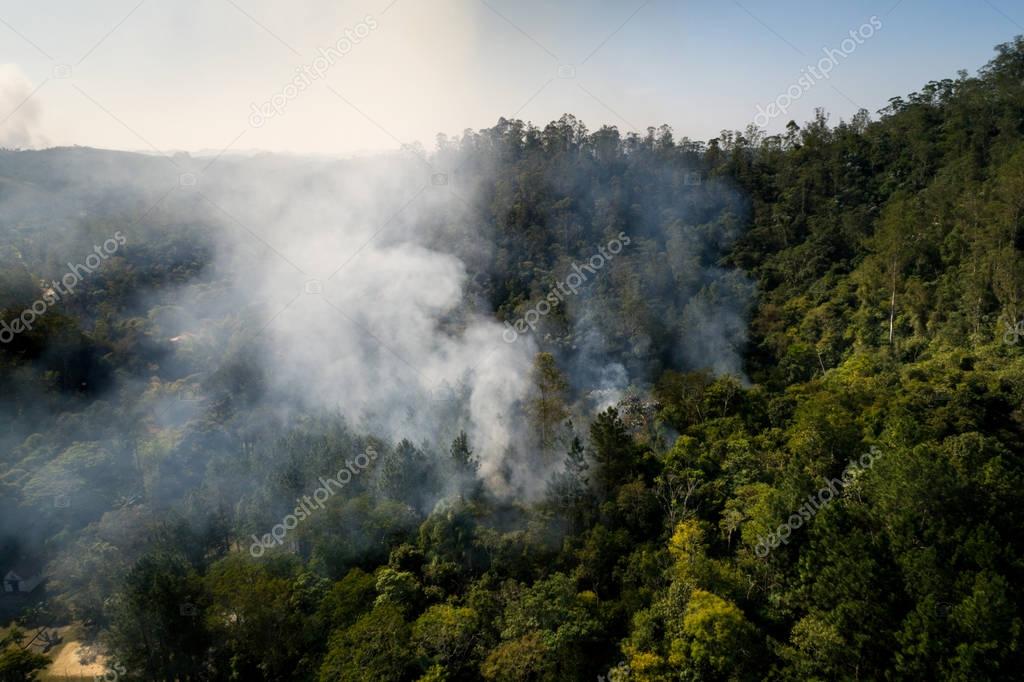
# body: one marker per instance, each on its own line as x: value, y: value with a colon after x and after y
x: 586, y: 496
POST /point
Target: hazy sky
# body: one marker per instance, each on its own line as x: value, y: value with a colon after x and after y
x: 186, y: 75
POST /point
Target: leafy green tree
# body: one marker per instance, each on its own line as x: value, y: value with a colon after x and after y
x: 448, y: 636
x: 525, y: 659
x: 376, y: 647
x: 18, y: 664
x: 157, y: 621
x: 715, y: 642
x: 269, y: 629
x: 348, y: 599
x: 564, y: 623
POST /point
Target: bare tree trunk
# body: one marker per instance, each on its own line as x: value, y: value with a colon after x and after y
x: 892, y: 304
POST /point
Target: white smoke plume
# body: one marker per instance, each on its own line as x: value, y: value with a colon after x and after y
x: 20, y: 112
x: 362, y: 314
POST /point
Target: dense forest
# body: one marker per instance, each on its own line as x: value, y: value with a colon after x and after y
x: 777, y: 435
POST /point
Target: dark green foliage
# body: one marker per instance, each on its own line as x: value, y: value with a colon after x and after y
x: 883, y: 365
x: 18, y: 664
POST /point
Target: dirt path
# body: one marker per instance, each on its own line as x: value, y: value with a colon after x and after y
x: 67, y: 665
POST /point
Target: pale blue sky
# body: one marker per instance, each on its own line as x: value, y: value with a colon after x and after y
x: 169, y: 75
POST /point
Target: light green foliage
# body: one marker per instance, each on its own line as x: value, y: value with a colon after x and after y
x: 823, y: 293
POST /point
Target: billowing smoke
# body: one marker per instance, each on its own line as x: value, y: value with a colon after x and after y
x: 364, y: 307
x: 360, y: 313
x: 20, y: 112
x: 366, y: 287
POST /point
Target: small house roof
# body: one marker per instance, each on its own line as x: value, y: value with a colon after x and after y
x: 23, y: 568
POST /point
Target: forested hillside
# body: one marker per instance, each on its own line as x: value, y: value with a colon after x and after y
x: 776, y: 435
